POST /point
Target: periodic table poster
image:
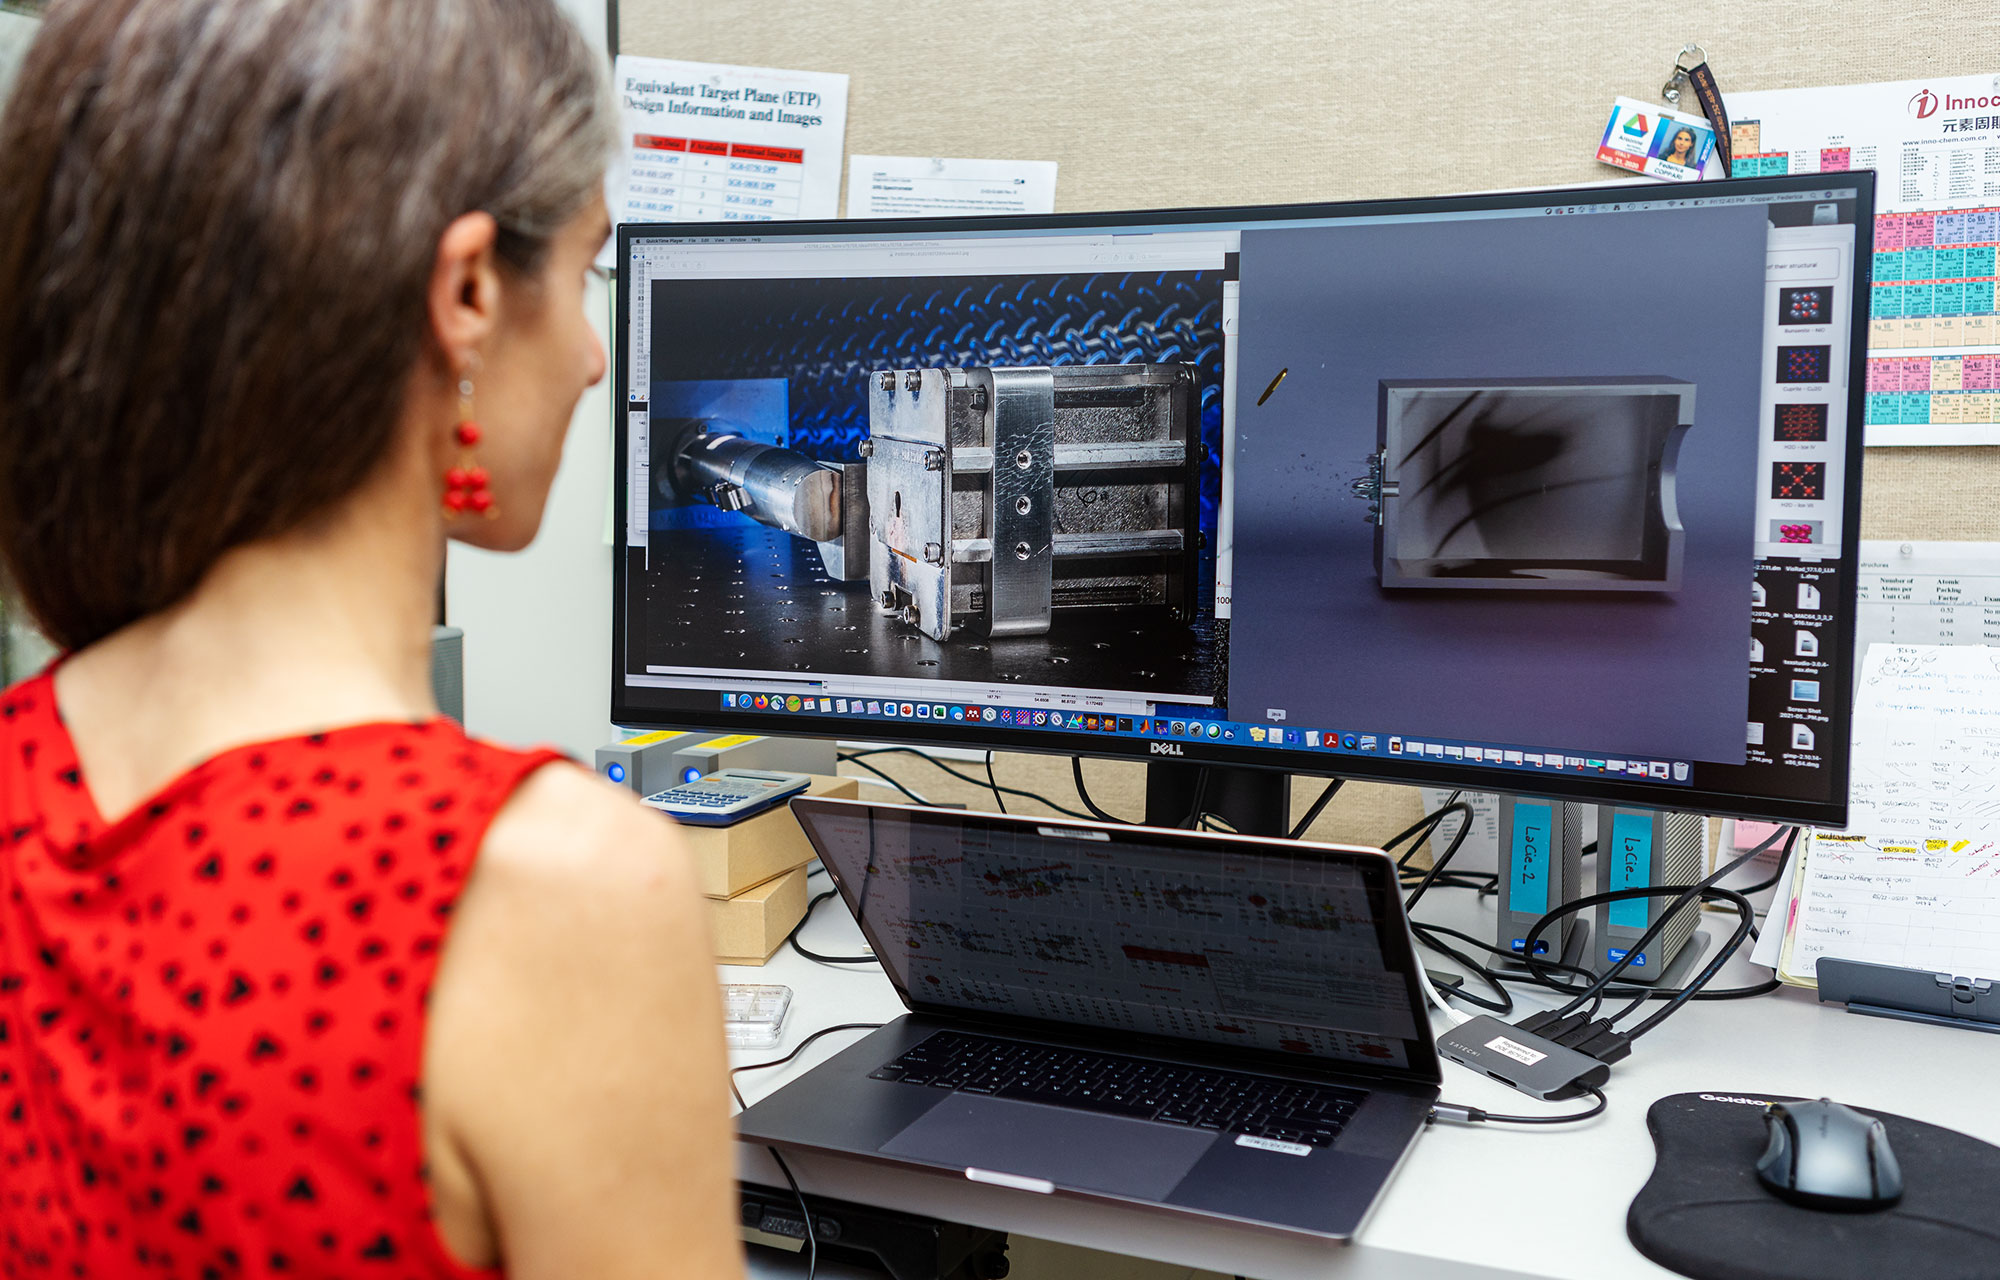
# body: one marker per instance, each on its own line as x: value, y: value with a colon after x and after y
x: 1934, y: 332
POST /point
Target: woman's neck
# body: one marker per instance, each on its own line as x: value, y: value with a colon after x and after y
x: 321, y: 627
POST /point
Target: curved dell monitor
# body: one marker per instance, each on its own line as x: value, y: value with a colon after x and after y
x: 1550, y: 493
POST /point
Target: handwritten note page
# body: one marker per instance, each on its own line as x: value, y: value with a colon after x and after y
x: 1915, y: 879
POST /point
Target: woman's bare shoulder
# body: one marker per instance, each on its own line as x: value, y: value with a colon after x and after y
x: 563, y: 821
x: 576, y: 1029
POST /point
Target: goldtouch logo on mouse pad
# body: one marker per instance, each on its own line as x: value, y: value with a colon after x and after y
x: 1723, y: 1097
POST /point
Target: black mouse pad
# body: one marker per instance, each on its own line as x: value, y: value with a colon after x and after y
x: 1704, y: 1213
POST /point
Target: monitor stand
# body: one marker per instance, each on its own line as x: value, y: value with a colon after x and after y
x: 1256, y: 802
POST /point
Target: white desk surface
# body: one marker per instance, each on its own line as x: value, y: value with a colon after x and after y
x: 1471, y: 1202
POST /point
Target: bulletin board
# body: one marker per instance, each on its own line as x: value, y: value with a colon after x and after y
x: 1205, y: 102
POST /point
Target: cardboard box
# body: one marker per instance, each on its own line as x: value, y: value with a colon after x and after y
x: 747, y: 928
x: 728, y: 860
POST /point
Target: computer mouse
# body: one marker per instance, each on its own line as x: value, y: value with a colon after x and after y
x: 1826, y: 1156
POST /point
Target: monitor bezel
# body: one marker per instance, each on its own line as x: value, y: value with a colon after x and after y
x: 1591, y: 788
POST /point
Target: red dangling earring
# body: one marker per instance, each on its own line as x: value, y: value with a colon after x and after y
x: 465, y: 485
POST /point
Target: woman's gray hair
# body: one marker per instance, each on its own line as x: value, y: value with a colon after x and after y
x: 218, y: 222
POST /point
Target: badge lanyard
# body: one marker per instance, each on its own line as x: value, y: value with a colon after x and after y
x: 1705, y: 92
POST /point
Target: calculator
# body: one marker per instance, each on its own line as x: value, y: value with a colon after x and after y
x: 727, y: 795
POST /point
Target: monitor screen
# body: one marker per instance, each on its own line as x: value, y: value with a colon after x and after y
x: 1258, y: 946
x: 1551, y: 493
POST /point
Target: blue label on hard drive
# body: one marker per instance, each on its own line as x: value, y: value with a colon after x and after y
x: 1615, y: 954
x: 1528, y: 872
x: 1631, y: 867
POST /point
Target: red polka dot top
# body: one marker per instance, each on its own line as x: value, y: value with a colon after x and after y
x: 212, y: 1009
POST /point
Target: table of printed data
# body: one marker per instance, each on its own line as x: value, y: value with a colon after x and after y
x: 692, y: 180
x: 1932, y: 604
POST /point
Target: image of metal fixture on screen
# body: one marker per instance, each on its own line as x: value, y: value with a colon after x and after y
x: 1558, y: 484
x: 985, y: 498
x: 757, y: 434
x: 1000, y: 496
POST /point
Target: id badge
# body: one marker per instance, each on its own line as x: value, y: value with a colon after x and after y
x: 1655, y: 141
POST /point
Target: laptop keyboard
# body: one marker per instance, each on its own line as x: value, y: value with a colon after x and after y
x: 1199, y: 1097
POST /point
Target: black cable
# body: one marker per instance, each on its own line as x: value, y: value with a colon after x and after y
x: 1483, y: 884
x: 1706, y: 891
x: 797, y: 1049
x: 858, y: 757
x: 1193, y: 819
x: 1475, y: 1116
x: 1450, y: 880
x: 805, y: 1210
x: 800, y: 947
x: 1312, y: 810
x: 805, y: 1214
x: 1763, y: 988
x: 1746, y: 928
x: 853, y: 759
x: 1504, y: 1005
x: 1503, y: 953
x: 1725, y: 993
x: 1439, y: 864
x: 1420, y: 831
x: 1762, y: 885
x: 1599, y: 987
x: 1553, y: 965
x: 994, y: 782
x: 1688, y: 894
x: 1701, y: 980
x: 1083, y: 793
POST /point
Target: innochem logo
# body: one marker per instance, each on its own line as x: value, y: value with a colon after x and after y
x: 1924, y: 104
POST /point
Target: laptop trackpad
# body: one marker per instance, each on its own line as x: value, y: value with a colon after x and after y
x: 1080, y: 1149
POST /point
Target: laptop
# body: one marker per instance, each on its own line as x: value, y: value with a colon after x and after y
x: 1212, y: 1026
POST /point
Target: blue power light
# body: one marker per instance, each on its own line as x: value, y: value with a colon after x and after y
x: 615, y: 771
x: 690, y: 775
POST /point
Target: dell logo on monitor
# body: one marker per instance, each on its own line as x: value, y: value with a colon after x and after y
x: 1166, y: 748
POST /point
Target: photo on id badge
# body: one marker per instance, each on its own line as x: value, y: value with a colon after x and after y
x: 1681, y: 144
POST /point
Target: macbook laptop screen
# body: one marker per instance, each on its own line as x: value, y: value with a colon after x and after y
x: 1278, y: 950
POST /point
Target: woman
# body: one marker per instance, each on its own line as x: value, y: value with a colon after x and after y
x: 1680, y: 150
x: 290, y: 292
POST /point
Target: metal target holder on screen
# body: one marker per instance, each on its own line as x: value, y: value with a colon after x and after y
x: 1541, y: 484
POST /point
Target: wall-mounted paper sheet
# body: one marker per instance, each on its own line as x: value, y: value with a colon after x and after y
x: 936, y: 187
x: 1914, y: 880
x: 1934, y: 328
x: 706, y: 142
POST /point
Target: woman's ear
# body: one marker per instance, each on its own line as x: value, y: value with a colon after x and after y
x: 464, y: 296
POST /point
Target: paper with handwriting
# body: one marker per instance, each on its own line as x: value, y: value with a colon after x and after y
x: 1915, y: 879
